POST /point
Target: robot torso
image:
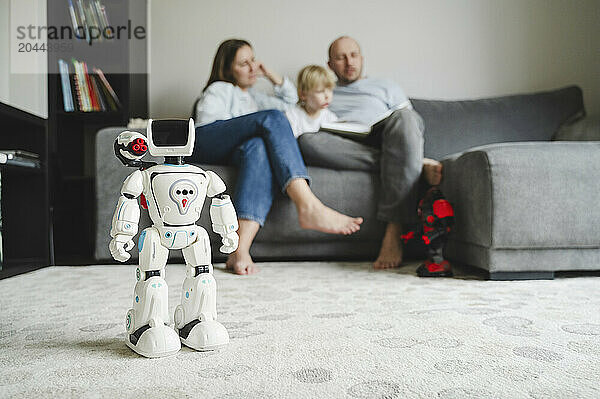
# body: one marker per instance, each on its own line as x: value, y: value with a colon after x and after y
x: 174, y: 194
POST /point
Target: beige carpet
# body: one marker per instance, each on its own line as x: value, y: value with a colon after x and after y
x: 312, y: 330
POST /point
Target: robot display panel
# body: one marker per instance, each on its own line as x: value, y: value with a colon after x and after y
x: 170, y: 133
x: 171, y: 137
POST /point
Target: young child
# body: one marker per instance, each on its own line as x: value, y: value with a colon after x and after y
x: 315, y: 91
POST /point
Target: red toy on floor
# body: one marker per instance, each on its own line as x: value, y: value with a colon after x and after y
x: 437, y: 217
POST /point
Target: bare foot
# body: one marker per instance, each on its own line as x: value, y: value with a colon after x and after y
x: 432, y: 170
x: 390, y: 253
x: 240, y: 262
x: 317, y: 216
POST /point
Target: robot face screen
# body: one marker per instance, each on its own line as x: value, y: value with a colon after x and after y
x: 170, y: 133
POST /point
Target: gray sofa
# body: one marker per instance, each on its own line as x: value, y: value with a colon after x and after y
x: 524, y: 204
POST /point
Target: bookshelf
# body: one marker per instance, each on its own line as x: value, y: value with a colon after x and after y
x: 26, y: 223
x: 72, y: 134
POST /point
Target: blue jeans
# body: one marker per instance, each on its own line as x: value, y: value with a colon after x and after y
x: 264, y: 149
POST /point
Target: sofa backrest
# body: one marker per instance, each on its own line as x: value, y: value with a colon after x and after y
x: 454, y: 126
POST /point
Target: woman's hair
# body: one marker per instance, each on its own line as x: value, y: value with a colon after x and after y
x: 223, y: 62
x: 312, y: 77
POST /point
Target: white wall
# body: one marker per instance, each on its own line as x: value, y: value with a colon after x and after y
x: 445, y: 49
x: 4, y: 49
x: 23, y: 76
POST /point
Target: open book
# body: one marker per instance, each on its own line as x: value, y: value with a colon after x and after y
x: 359, y: 130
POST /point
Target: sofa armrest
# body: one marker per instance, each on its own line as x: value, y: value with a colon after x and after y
x: 525, y: 195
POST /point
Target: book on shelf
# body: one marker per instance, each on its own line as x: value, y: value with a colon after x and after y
x: 78, y: 91
x: 357, y: 130
x: 97, y: 94
x: 88, y: 14
x: 101, y: 9
x: 83, y: 94
x: 75, y: 20
x: 108, y: 87
x: 110, y: 103
x: 84, y: 23
x: 66, y: 86
x: 90, y: 88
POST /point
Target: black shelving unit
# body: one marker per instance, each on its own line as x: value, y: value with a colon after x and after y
x: 26, y: 218
x: 72, y: 134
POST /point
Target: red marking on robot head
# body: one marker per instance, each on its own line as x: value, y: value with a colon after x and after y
x: 442, y: 209
x: 184, y: 202
x: 138, y: 146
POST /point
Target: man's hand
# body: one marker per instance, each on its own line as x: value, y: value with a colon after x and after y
x: 267, y: 73
x: 119, y: 246
x: 230, y: 242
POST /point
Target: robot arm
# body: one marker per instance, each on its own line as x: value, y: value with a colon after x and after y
x: 126, y: 217
x: 222, y: 214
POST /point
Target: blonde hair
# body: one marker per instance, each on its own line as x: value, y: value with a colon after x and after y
x: 312, y: 77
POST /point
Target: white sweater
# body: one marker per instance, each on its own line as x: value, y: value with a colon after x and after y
x: 222, y: 101
x: 302, y: 123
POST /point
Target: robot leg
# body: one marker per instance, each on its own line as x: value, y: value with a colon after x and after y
x: 435, y: 265
x: 147, y: 331
x: 195, y: 317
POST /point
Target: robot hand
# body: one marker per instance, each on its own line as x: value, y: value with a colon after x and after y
x: 230, y: 242
x: 119, y: 246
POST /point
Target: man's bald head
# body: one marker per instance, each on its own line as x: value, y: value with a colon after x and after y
x: 341, y: 40
x: 345, y: 59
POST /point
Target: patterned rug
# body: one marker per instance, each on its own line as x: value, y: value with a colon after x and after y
x: 308, y: 330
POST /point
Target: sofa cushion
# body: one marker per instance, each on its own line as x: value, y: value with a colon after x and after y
x: 587, y: 129
x: 455, y: 126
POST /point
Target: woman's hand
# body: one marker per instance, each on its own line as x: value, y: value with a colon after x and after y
x: 267, y: 73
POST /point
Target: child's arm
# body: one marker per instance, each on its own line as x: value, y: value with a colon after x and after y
x: 285, y: 97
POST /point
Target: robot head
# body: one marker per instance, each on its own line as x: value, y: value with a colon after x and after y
x: 171, y: 137
x: 130, y: 147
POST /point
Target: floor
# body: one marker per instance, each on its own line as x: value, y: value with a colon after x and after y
x: 309, y: 330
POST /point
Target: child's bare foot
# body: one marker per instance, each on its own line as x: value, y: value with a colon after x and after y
x: 390, y: 253
x: 432, y: 170
x: 317, y: 216
x: 240, y: 262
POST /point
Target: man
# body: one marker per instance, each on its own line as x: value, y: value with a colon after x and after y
x: 399, y: 137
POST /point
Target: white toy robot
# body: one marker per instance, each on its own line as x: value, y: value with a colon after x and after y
x: 173, y: 193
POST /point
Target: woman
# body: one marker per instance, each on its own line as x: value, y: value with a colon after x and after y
x: 247, y: 128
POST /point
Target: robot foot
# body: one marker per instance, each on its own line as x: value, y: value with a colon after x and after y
x: 431, y: 269
x: 204, y: 336
x: 156, y: 341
